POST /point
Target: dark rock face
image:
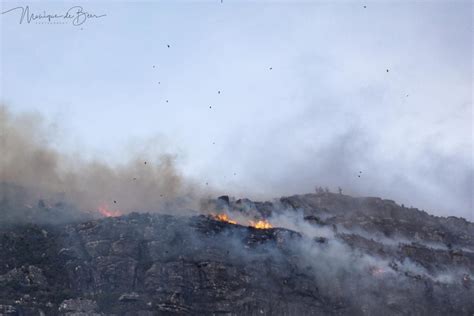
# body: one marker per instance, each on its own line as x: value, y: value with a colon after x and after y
x: 374, y: 258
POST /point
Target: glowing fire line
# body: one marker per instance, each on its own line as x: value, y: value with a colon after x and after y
x: 260, y: 224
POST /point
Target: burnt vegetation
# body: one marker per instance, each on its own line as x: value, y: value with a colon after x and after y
x: 336, y: 255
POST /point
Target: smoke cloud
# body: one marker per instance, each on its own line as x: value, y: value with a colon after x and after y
x: 30, y: 162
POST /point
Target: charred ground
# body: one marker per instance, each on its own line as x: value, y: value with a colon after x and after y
x: 355, y: 256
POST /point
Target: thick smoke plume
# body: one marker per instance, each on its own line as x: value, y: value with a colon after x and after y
x: 29, y: 161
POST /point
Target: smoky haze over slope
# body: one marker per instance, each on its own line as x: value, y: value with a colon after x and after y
x: 418, y: 175
x: 146, y: 182
x: 30, y: 161
x: 327, y: 253
x: 330, y: 254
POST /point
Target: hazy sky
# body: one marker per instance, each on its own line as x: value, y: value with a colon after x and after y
x: 305, y: 97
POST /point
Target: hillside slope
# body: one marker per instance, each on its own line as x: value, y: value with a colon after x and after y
x: 327, y: 254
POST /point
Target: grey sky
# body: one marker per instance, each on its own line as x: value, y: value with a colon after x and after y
x: 327, y: 109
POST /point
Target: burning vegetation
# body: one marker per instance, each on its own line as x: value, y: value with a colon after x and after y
x: 259, y: 224
x: 224, y: 218
x: 105, y: 211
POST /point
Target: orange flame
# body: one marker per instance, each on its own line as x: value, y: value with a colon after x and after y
x: 261, y: 224
x: 224, y: 218
x: 106, y: 212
